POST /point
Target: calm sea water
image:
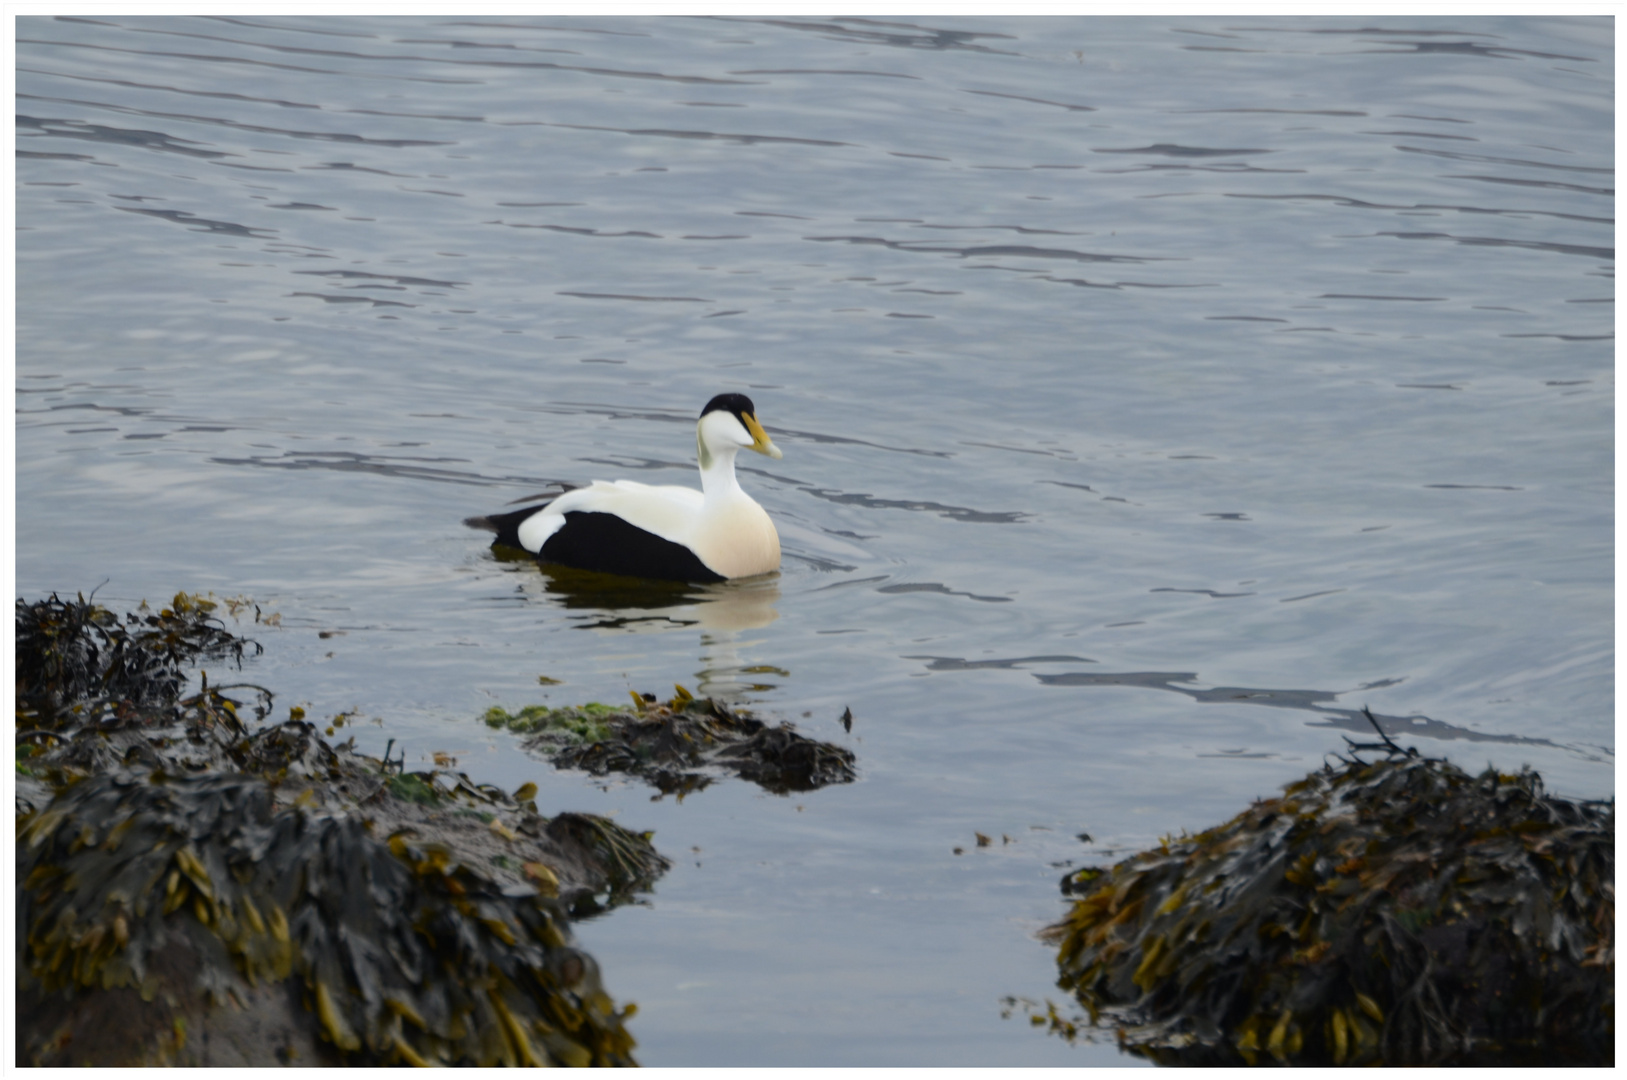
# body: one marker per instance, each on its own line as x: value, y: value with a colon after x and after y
x: 1155, y: 393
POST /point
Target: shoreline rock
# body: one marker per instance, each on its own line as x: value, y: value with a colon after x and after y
x: 194, y: 892
x: 1396, y: 912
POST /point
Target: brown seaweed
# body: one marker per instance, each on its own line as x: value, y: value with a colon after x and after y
x: 183, y: 868
x: 679, y: 746
x: 1396, y: 912
x: 404, y: 952
x: 78, y: 662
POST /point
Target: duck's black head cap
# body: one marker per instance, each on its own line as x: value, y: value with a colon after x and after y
x: 739, y: 404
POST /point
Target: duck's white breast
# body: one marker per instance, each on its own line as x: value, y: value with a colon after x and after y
x: 738, y: 540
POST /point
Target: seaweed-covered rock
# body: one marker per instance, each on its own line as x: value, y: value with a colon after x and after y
x: 83, y: 712
x: 169, y: 901
x: 78, y: 662
x: 1395, y: 912
x: 589, y: 862
x: 95, y: 692
x: 194, y: 890
x: 679, y: 746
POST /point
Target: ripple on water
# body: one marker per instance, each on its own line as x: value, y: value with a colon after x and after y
x: 1091, y: 278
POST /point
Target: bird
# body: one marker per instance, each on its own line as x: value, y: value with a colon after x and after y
x: 663, y: 531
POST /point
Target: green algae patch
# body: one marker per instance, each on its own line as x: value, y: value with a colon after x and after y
x: 1398, y: 912
x: 414, y: 788
x: 577, y: 723
x: 679, y: 746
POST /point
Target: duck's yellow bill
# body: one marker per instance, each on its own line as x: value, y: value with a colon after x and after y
x: 760, y: 440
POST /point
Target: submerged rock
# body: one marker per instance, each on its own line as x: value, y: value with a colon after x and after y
x: 194, y: 892
x: 1398, y: 912
x: 680, y: 746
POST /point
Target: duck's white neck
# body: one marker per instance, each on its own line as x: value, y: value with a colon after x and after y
x: 717, y: 475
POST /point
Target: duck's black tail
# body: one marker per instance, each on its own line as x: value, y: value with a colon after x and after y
x: 506, y: 526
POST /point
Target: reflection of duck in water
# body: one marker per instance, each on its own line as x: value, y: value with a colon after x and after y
x: 614, y: 602
x: 669, y: 532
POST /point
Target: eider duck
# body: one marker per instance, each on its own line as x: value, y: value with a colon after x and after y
x: 669, y: 532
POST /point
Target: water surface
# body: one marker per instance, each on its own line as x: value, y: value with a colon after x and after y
x: 1154, y: 393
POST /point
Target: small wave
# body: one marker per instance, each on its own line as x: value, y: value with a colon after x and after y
x: 1494, y: 241
x: 954, y: 513
x: 200, y: 224
x: 1176, y: 150
x: 641, y: 299
x: 410, y: 468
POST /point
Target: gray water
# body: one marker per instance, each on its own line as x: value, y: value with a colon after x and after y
x: 1155, y: 394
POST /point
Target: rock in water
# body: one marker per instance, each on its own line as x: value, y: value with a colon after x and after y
x: 679, y: 746
x: 192, y: 921
x: 194, y: 892
x: 1399, y: 912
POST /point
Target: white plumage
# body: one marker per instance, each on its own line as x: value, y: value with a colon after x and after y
x: 720, y: 527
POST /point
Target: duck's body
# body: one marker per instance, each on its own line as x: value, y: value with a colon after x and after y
x: 665, y: 531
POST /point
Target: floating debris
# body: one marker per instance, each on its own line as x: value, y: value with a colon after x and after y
x: 680, y: 746
x: 281, y: 899
x: 1398, y: 912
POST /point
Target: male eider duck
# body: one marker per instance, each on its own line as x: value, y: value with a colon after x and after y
x: 670, y: 532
